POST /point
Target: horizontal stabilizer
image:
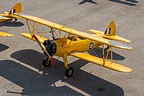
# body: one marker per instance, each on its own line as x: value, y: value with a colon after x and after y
x: 118, y: 38
x: 111, y: 37
x: 2, y: 18
x: 100, y: 61
x: 96, y: 31
x: 27, y: 35
x: 5, y: 34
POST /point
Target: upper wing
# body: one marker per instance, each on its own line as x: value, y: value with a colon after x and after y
x: 100, y: 61
x: 5, y: 34
x: 72, y: 31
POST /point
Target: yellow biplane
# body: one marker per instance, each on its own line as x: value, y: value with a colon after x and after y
x: 74, y: 43
x: 9, y: 15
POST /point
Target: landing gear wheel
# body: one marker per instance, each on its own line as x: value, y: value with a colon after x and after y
x: 69, y: 72
x: 46, y: 62
x: 13, y: 20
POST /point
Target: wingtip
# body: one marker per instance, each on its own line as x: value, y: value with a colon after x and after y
x: 126, y: 40
x: 126, y: 70
x: 120, y: 45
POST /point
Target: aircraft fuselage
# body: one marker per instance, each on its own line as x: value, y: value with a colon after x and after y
x: 77, y: 44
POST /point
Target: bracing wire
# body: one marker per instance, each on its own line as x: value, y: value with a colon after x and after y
x: 36, y: 30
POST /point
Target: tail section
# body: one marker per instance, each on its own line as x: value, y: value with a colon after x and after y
x: 10, y: 15
x: 110, y: 33
x: 111, y: 29
x: 16, y: 9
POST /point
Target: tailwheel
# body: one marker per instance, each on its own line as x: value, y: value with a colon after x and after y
x: 69, y: 72
x: 46, y: 62
x: 15, y: 19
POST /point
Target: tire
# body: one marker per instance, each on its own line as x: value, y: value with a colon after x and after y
x: 69, y: 72
x: 46, y: 62
x: 15, y: 20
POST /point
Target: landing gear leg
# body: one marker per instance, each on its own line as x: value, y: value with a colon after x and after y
x: 69, y: 70
x: 46, y: 62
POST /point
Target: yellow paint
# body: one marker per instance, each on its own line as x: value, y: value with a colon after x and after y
x: 2, y: 18
x: 18, y: 7
x: 5, y: 34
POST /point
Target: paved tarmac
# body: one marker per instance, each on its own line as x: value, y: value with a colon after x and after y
x: 20, y: 58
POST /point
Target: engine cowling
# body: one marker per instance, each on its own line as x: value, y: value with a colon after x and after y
x: 50, y: 46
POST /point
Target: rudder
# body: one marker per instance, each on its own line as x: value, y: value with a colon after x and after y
x: 16, y: 9
x: 111, y: 29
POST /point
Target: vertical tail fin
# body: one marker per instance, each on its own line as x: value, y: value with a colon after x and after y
x: 111, y: 29
x: 16, y: 9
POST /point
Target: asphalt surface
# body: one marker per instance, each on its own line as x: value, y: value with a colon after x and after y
x: 20, y: 58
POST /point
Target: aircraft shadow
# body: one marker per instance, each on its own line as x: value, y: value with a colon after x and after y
x: 3, y: 47
x: 126, y: 2
x: 53, y: 83
x: 133, y: 1
x: 89, y: 1
x: 98, y: 52
x: 11, y: 24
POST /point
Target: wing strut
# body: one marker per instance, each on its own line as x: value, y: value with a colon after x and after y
x: 29, y: 27
x: 38, y: 31
x: 109, y: 51
x: 34, y: 27
x: 52, y: 31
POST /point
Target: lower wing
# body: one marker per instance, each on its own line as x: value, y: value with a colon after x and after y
x: 102, y: 62
x: 5, y: 34
x: 29, y: 36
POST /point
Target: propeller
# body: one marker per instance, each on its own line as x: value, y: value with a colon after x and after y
x: 44, y: 50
